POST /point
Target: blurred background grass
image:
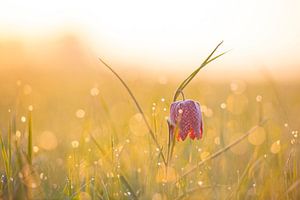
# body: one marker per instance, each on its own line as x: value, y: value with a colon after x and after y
x: 71, y: 104
x: 88, y: 139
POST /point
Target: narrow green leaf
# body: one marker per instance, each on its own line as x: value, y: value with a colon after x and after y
x: 130, y: 192
x: 194, y: 73
x: 29, y: 146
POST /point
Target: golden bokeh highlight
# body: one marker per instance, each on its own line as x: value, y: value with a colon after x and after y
x: 80, y: 113
x: 257, y: 137
x: 47, y: 140
x: 275, y: 147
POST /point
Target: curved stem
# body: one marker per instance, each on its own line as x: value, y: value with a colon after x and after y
x: 192, y: 75
x: 139, y: 109
x: 221, y: 151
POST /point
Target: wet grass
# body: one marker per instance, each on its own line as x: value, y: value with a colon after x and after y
x: 81, y: 136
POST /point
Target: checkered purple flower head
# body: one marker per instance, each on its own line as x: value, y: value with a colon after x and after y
x: 186, y: 119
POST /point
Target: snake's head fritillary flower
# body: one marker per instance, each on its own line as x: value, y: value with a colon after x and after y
x: 186, y: 119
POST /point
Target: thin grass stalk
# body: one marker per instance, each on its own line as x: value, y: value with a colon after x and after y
x: 194, y: 73
x: 6, y: 166
x: 221, y: 151
x: 128, y: 187
x: 29, y: 145
x: 9, y: 146
x: 139, y: 109
x: 114, y: 135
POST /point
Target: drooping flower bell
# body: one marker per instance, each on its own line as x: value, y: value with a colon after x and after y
x: 186, y: 120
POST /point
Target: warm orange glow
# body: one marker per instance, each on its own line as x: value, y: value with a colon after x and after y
x: 157, y: 34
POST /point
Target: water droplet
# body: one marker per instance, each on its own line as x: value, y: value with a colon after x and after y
x: 35, y: 149
x: 18, y: 134
x: 200, y: 183
x: 258, y: 98
x: 80, y: 113
x: 30, y: 107
x: 75, y: 144
x: 217, y: 140
x: 276, y: 147
x: 223, y: 105
x: 23, y: 119
x: 94, y: 91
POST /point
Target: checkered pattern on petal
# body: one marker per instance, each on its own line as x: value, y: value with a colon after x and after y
x: 187, y: 117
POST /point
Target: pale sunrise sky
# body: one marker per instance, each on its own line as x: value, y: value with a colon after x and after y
x: 166, y: 34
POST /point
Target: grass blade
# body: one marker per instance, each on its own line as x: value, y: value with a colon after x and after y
x: 190, y: 77
x: 29, y: 146
x: 128, y: 187
x: 221, y: 151
x: 139, y: 109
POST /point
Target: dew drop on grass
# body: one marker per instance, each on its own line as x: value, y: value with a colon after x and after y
x: 80, y: 113
x: 23, y: 119
x: 94, y: 91
x: 200, y: 183
x: 75, y: 144
x: 35, y: 149
x: 139, y: 170
x: 42, y: 176
x: 30, y: 107
x: 223, y: 105
x: 18, y: 134
x: 258, y: 98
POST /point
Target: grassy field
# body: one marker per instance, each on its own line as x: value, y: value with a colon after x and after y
x: 79, y: 135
